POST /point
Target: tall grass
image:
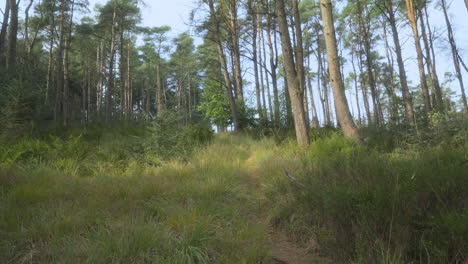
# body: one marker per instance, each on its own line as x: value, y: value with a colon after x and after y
x: 102, y: 197
x: 83, y: 199
x: 365, y: 206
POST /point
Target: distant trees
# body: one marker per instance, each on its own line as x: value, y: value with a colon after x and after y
x: 263, y: 63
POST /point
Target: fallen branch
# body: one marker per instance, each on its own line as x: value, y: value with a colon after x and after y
x: 294, y: 179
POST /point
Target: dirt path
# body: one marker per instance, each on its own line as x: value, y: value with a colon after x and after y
x: 283, y: 249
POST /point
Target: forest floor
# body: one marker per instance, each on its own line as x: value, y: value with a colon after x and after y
x: 94, y: 204
x: 104, y: 199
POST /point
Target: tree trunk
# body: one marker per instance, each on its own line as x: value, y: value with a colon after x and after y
x: 122, y: 75
x: 390, y: 88
x: 99, y: 88
x: 3, y: 32
x: 50, y: 66
x: 364, y: 31
x: 344, y: 116
x: 262, y: 82
x: 273, y: 64
x: 234, y: 30
x: 224, y: 66
x: 454, y: 49
x: 407, y: 98
x: 353, y: 51
x: 110, y: 82
x: 267, y: 79
x: 26, y: 22
x: 60, y: 74
x: 255, y: 25
x: 417, y: 42
x: 294, y: 79
x: 66, y: 82
x: 66, y: 72
x: 436, y: 83
x: 12, y: 37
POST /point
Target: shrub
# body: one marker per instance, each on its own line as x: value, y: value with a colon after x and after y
x: 169, y: 138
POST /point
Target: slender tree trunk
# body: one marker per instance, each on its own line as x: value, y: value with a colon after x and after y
x: 100, y: 83
x: 355, y: 78
x: 89, y: 108
x: 344, y: 116
x: 122, y: 74
x: 12, y: 37
x: 366, y: 39
x: 4, y: 30
x: 391, y: 87
x: 66, y: 82
x: 110, y: 82
x: 222, y: 60
x: 262, y: 82
x: 422, y: 75
x: 234, y: 30
x: 128, y: 92
x: 454, y: 49
x: 273, y: 63
x: 50, y: 66
x: 429, y: 65
x: 407, y: 98
x: 315, y: 122
x: 364, y: 86
x: 26, y: 22
x: 293, y: 76
x: 255, y: 26
x: 437, y: 88
x: 60, y: 73
x: 66, y: 72
x: 267, y: 79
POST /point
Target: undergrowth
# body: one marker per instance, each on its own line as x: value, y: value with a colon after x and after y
x: 123, y: 195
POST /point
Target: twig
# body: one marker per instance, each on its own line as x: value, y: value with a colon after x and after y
x: 293, y: 179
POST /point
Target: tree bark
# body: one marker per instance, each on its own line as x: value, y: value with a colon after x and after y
x: 417, y: 42
x: 454, y: 49
x: 12, y: 36
x: 364, y: 31
x: 273, y: 64
x: 110, y: 80
x: 293, y: 76
x: 430, y: 64
x: 60, y: 74
x: 222, y: 60
x: 344, y: 116
x: 255, y: 26
x: 407, y: 98
x: 3, y: 32
x: 234, y: 30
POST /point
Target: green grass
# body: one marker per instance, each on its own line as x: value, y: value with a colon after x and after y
x: 110, y: 206
x: 102, y: 197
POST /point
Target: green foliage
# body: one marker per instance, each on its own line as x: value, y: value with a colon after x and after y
x: 121, y: 209
x: 129, y: 194
x: 366, y: 206
x: 169, y: 138
x: 19, y: 103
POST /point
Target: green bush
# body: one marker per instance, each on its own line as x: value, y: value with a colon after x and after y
x: 168, y: 137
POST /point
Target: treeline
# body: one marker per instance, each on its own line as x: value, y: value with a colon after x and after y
x: 100, y: 69
x: 270, y: 64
